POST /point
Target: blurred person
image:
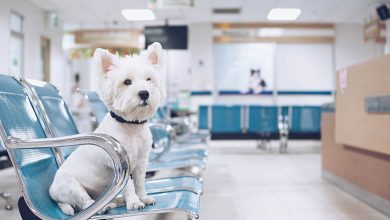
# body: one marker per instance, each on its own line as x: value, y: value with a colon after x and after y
x: 79, y: 107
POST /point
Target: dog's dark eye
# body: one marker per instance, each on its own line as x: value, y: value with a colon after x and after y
x: 148, y: 79
x: 127, y: 82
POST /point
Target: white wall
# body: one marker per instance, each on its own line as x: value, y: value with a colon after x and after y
x: 387, y: 47
x: 34, y: 27
x: 350, y: 47
x: 177, y: 73
x: 201, y: 50
x: 202, y: 70
x: 304, y: 67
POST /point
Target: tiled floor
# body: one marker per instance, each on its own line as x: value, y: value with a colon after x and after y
x: 242, y: 182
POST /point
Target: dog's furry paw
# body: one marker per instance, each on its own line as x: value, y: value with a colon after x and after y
x: 148, y: 200
x: 135, y: 205
x: 107, y: 208
x: 66, y: 208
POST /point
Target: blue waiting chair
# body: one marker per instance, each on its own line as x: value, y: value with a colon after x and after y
x: 169, y: 152
x: 171, y: 156
x: 34, y: 157
x: 97, y: 106
x: 181, y: 126
x: 58, y: 121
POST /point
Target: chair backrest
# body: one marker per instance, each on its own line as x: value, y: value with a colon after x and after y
x: 226, y: 119
x: 162, y: 113
x: 59, y: 116
x: 35, y: 167
x: 161, y: 140
x: 98, y: 108
x: 263, y: 119
x: 305, y: 119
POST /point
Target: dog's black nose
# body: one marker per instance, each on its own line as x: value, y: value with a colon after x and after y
x: 143, y: 95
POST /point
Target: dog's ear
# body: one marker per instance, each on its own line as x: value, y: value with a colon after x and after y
x: 103, y: 60
x: 156, y: 55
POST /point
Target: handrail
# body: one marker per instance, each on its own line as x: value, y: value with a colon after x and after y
x: 116, y: 151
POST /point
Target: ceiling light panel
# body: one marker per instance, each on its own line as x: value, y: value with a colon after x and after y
x: 138, y: 14
x: 284, y: 14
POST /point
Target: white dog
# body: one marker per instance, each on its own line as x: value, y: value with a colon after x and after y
x: 131, y: 88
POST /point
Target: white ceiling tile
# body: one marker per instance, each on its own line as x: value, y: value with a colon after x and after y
x: 106, y: 12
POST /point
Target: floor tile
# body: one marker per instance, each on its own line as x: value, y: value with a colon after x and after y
x: 242, y: 182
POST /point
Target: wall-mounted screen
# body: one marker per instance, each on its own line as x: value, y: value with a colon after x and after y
x: 170, y: 37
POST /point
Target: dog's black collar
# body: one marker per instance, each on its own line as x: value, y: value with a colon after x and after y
x: 122, y: 120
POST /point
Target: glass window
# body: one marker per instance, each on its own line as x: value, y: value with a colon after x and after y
x: 16, y: 55
x: 16, y: 44
x: 16, y: 23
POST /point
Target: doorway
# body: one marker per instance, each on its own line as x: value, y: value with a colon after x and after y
x: 45, y: 59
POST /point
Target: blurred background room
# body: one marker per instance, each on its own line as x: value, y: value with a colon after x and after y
x: 288, y: 100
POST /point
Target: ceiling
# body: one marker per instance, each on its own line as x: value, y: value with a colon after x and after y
x: 78, y: 14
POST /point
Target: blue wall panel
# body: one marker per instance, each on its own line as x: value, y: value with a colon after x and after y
x: 306, y: 119
x: 263, y: 119
x: 226, y: 119
x: 203, y: 117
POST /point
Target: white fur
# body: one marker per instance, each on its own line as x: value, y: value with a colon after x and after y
x: 88, y: 170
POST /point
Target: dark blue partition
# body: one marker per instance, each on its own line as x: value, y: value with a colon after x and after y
x: 203, y: 117
x: 226, y: 119
x: 284, y: 111
x: 263, y: 119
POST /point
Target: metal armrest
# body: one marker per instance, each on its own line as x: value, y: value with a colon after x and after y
x: 109, y: 144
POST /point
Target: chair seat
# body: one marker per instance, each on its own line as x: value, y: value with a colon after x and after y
x: 183, y: 154
x: 193, y: 138
x: 182, y: 201
x: 181, y: 183
x: 176, y: 164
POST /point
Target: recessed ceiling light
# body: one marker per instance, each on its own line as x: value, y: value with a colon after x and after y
x: 138, y: 14
x: 283, y: 14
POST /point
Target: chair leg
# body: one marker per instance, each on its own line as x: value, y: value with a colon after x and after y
x: 261, y: 144
x: 8, y: 200
x: 283, y: 144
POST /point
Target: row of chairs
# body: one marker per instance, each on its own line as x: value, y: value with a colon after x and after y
x: 181, y: 125
x: 261, y: 122
x: 38, y: 132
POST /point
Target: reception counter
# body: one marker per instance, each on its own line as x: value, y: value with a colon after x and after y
x: 362, y: 105
x: 363, y: 173
x: 356, y: 133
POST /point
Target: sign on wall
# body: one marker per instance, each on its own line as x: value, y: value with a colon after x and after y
x: 110, y: 38
x: 170, y: 4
